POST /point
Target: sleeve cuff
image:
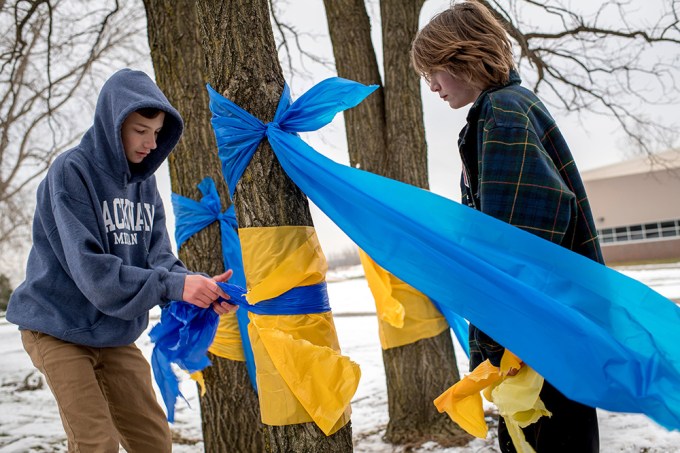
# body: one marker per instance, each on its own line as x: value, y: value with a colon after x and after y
x: 174, y: 285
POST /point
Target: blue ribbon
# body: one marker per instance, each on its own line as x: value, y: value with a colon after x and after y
x: 458, y: 325
x: 600, y: 337
x: 301, y: 300
x: 181, y: 321
x: 239, y: 134
x: 183, y: 335
x: 191, y: 217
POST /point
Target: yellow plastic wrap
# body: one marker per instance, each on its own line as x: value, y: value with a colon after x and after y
x: 463, y: 401
x: 518, y: 402
x: 405, y: 315
x: 517, y: 399
x: 227, y: 342
x: 276, y: 259
x: 198, y: 377
x: 301, y: 374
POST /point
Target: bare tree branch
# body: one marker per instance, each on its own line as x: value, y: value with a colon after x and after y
x: 53, y: 56
x: 600, y: 62
x: 284, y: 33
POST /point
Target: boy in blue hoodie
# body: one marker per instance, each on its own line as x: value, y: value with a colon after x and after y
x: 101, y: 259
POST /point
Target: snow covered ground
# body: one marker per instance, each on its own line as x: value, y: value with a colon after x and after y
x: 29, y: 420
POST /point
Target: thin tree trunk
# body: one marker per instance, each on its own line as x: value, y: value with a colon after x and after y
x: 230, y: 394
x: 350, y: 30
x: 243, y: 66
x: 388, y: 137
x: 416, y: 374
x: 403, y: 105
x: 229, y: 410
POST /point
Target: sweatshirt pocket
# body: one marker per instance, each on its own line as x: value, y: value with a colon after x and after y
x: 79, y: 330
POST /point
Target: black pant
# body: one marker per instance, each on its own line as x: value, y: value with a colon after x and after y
x: 571, y: 429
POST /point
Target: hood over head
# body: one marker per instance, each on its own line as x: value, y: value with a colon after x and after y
x: 123, y: 93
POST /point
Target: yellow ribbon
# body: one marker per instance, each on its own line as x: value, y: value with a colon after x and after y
x: 227, y: 342
x: 301, y: 374
x: 276, y: 259
x: 517, y: 399
x: 405, y: 315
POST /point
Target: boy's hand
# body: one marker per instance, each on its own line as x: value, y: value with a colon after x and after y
x: 514, y: 371
x: 223, y: 278
x: 222, y: 308
x: 201, y: 291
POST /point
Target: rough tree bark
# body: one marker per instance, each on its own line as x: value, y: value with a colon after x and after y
x: 605, y: 57
x: 243, y: 66
x: 406, y: 147
x: 230, y: 412
x: 386, y: 135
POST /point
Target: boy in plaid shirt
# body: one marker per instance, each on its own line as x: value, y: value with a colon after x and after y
x: 517, y: 168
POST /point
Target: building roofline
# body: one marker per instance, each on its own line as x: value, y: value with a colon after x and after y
x: 667, y: 160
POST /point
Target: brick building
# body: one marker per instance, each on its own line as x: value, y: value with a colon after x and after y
x: 636, y: 206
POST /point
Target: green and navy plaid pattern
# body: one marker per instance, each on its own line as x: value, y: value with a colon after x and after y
x: 517, y: 167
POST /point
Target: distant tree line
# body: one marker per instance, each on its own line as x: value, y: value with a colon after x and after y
x: 344, y: 258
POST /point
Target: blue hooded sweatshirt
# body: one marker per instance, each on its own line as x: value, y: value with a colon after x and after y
x: 101, y: 255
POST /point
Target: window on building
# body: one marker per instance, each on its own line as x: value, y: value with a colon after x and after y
x: 668, y: 229
x: 652, y: 231
x: 636, y: 233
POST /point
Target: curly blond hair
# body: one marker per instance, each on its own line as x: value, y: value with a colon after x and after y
x: 466, y: 41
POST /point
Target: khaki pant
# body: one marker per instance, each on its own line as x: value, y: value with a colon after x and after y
x: 105, y: 395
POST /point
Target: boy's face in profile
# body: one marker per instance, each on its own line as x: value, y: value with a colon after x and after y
x: 139, y: 135
x: 452, y: 90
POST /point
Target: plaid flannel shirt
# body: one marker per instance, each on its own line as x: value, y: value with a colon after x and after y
x: 517, y: 167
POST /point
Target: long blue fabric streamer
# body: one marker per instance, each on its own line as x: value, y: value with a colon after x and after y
x: 600, y: 337
x: 458, y: 325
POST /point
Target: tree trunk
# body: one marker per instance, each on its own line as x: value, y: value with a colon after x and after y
x: 350, y: 30
x: 387, y: 136
x: 230, y: 394
x: 243, y: 66
x: 416, y: 374
x: 403, y: 105
x: 229, y: 410
x: 307, y: 437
